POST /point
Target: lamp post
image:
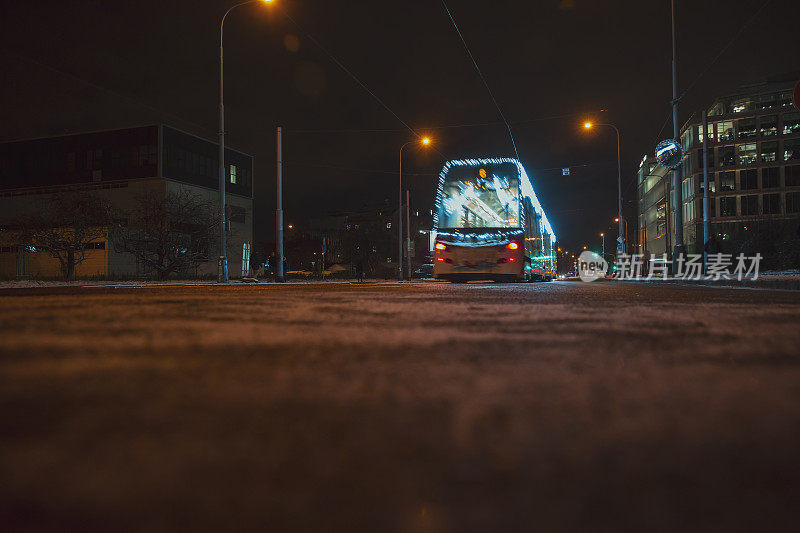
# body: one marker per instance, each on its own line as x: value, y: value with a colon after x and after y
x: 425, y: 141
x: 589, y: 125
x: 222, y: 276
x: 603, y: 236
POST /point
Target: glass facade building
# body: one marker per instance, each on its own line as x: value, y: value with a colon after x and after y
x: 753, y: 175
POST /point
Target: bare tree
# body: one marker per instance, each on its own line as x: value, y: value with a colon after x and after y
x: 168, y: 234
x: 66, y: 226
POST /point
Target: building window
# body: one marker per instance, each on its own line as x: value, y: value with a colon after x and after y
x: 747, y: 128
x: 791, y: 150
x: 785, y: 99
x: 725, y: 130
x: 712, y: 207
x: 769, y: 151
x: 750, y: 204
x: 711, y: 185
x: 727, y: 206
x: 793, y: 202
x: 709, y: 128
x: 766, y: 101
x: 146, y: 155
x: 769, y: 125
x: 791, y: 123
x: 748, y: 179
x: 727, y: 181
x: 741, y: 105
x: 770, y: 177
x: 710, y: 158
x: 233, y: 176
x: 726, y: 156
x: 716, y: 109
x: 771, y: 204
x: 747, y: 154
x: 94, y: 159
x: 792, y: 175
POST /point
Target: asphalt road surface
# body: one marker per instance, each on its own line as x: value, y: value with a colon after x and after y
x: 388, y: 407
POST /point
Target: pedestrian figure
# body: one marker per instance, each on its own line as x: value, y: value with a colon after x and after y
x: 360, y: 270
x: 646, y: 265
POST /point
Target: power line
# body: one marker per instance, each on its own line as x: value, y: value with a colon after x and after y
x: 483, y: 79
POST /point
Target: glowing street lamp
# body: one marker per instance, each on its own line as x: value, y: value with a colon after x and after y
x: 603, y: 236
x: 424, y: 141
x: 589, y: 125
x: 222, y: 276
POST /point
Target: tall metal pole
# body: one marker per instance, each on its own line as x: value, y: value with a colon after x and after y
x: 279, y: 213
x: 400, y: 216
x: 408, y: 232
x: 222, y: 271
x: 676, y: 174
x: 705, y: 186
x: 620, y: 239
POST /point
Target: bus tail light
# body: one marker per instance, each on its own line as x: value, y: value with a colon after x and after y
x: 512, y: 246
x: 440, y: 246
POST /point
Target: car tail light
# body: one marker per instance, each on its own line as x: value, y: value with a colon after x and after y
x: 440, y: 259
x: 512, y: 246
x: 511, y: 259
x: 440, y: 246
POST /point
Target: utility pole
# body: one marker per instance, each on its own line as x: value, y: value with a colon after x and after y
x: 279, y: 215
x: 222, y: 273
x: 676, y: 174
x: 705, y: 188
x: 400, y: 218
x: 408, y: 231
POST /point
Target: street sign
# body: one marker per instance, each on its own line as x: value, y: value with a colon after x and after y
x: 619, y: 239
x: 796, y: 95
x: 669, y: 153
x: 565, y: 171
x: 620, y: 249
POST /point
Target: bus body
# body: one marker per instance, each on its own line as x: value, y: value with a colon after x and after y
x: 489, y: 224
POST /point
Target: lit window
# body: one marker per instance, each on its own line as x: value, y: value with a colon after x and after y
x: 234, y: 177
x: 725, y: 130
x: 791, y: 150
x: 747, y: 154
x: 769, y: 151
x: 741, y: 105
x: 747, y: 128
x: 791, y: 123
x: 769, y: 125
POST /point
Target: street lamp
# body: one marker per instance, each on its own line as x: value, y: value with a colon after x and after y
x: 425, y: 141
x: 588, y: 125
x: 603, y: 236
x: 222, y: 276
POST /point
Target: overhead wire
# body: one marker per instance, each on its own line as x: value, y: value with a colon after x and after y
x: 483, y: 78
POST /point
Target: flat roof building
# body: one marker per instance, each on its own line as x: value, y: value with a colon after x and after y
x: 753, y: 177
x: 121, y: 166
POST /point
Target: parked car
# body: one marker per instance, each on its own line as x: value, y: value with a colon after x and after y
x: 424, y: 271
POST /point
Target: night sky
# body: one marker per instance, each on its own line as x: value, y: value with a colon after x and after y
x: 72, y: 66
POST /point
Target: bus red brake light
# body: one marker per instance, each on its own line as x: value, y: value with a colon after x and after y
x: 440, y: 246
x: 512, y: 246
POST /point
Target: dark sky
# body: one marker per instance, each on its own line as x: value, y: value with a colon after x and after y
x: 72, y: 66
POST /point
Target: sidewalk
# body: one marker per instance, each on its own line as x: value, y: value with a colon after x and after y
x: 787, y: 280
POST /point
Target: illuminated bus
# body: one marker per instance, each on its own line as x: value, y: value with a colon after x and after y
x: 489, y: 225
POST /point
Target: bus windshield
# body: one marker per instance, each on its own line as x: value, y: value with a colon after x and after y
x: 487, y: 199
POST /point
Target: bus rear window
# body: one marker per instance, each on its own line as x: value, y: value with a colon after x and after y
x: 483, y: 201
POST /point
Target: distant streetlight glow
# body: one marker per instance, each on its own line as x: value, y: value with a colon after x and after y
x: 587, y: 125
x: 426, y: 140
